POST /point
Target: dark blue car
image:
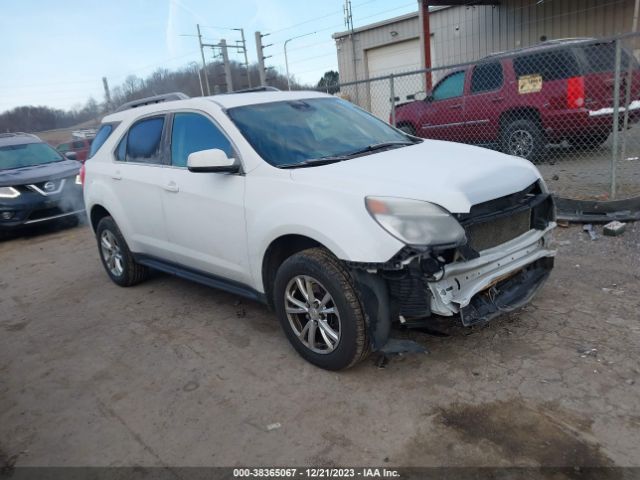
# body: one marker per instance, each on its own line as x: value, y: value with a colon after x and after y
x: 37, y: 184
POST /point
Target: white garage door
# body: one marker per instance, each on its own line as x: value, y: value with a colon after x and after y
x: 396, y: 58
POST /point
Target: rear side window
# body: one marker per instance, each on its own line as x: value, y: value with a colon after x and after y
x: 101, y: 137
x: 486, y: 77
x: 554, y: 65
x: 601, y: 57
x: 143, y: 141
x: 452, y: 86
x: 193, y: 132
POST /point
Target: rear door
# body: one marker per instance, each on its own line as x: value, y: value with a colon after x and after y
x: 137, y: 181
x: 204, y: 212
x: 443, y: 118
x: 485, y: 100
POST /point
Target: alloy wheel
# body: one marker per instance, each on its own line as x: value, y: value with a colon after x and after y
x: 312, y: 314
x: 521, y: 143
x: 111, y: 253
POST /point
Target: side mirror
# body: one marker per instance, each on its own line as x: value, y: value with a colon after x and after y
x: 213, y: 160
x: 420, y: 96
x: 71, y: 155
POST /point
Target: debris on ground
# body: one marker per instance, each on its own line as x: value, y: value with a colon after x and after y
x: 563, y: 223
x: 273, y: 426
x: 587, y: 352
x: 590, y: 230
x: 615, y: 228
x: 612, y: 291
x: 382, y: 361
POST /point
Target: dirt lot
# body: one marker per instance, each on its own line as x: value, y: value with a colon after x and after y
x: 173, y: 373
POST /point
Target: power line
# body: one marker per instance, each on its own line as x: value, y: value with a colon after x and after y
x: 316, y: 18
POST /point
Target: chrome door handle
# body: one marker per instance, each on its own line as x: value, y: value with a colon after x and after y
x: 171, y: 187
x: 117, y: 176
x: 456, y: 107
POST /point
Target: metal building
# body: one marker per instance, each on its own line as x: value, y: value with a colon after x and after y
x: 468, y: 32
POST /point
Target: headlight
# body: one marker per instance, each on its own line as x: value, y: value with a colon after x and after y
x: 9, y: 192
x: 415, y: 222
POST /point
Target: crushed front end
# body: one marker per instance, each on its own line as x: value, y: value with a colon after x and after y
x: 502, y: 262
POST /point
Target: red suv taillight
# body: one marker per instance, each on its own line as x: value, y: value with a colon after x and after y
x: 575, y: 92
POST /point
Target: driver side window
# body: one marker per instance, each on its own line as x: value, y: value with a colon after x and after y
x: 193, y: 132
x: 451, y: 87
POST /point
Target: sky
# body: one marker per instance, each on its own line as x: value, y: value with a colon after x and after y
x: 55, y: 52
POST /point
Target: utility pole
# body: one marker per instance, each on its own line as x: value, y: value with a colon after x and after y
x: 107, y: 93
x: 227, y: 65
x: 261, y: 58
x: 348, y: 20
x: 244, y: 50
x: 204, y: 63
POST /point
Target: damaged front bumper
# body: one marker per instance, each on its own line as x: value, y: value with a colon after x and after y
x: 500, y: 280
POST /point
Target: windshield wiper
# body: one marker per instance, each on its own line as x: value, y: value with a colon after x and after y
x: 379, y: 146
x: 314, y: 162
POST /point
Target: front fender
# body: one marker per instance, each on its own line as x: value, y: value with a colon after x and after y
x: 337, y: 220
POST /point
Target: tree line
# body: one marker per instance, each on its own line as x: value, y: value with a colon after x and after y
x: 187, y: 79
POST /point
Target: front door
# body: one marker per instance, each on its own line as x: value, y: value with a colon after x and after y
x: 443, y: 119
x: 204, y: 212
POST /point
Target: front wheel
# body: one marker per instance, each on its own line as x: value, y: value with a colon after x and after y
x: 319, y: 310
x: 523, y: 138
x: 116, y: 257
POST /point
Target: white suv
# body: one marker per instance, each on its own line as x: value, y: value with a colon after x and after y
x: 341, y: 223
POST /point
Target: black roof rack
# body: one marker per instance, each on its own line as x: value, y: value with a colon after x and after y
x: 254, y: 89
x: 141, y: 102
x: 547, y: 44
x: 18, y: 134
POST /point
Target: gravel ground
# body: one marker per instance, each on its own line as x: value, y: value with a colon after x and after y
x: 174, y: 373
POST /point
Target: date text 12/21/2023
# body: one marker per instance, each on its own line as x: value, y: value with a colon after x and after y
x: 372, y: 472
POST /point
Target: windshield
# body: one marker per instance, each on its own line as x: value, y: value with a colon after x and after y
x: 27, y: 155
x: 292, y: 132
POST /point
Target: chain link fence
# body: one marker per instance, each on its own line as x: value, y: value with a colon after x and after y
x: 572, y: 107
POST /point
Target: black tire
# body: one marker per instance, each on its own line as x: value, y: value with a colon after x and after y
x: 523, y: 138
x: 132, y: 272
x: 407, y: 128
x: 319, y: 265
x: 589, y: 142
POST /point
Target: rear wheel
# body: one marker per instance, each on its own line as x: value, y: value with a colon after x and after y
x: 523, y: 138
x: 319, y: 310
x: 116, y: 257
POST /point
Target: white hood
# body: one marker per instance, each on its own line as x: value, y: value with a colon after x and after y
x: 452, y: 175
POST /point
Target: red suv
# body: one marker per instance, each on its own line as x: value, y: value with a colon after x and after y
x: 525, y: 100
x: 80, y: 146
